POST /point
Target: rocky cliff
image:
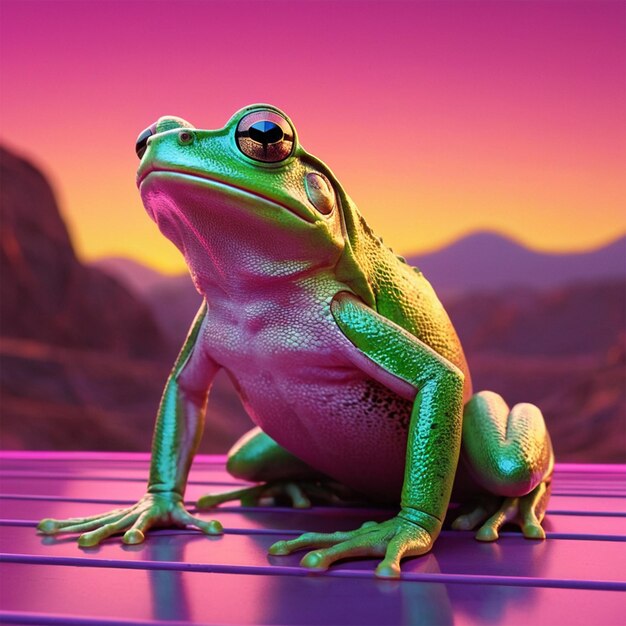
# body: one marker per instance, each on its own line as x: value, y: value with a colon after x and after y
x: 82, y: 359
x: 48, y: 295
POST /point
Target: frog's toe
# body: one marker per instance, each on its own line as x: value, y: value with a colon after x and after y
x: 531, y: 510
x: 303, y: 493
x: 526, y: 512
x: 394, y: 539
x: 212, y: 527
x: 489, y: 531
x: 353, y: 548
x: 469, y: 521
x: 308, y: 540
x: 314, y: 561
x: 48, y: 526
x: 248, y: 496
x: 133, y: 536
x: 295, y: 493
x: 78, y: 524
x: 533, y: 531
x: 291, y: 491
x: 104, y: 531
x: 280, y: 548
x: 388, y: 569
x: 210, y: 501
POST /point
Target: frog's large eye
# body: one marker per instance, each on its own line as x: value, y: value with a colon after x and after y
x: 265, y: 136
x: 142, y: 141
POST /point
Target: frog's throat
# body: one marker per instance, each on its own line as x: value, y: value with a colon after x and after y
x: 352, y: 265
x: 181, y: 215
x: 229, y: 189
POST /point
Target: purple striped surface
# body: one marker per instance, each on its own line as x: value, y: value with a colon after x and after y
x: 183, y: 577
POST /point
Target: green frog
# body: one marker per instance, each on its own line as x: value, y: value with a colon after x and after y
x: 341, y: 352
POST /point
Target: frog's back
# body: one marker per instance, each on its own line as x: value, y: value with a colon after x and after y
x: 400, y: 292
x: 404, y: 295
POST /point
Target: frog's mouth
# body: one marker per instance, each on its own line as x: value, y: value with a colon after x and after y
x: 227, y: 189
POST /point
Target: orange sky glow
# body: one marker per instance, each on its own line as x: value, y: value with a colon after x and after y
x: 440, y: 118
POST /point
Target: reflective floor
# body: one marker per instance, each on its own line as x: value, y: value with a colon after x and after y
x: 577, y: 576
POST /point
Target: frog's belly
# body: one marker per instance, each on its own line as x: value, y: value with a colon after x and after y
x: 337, y: 420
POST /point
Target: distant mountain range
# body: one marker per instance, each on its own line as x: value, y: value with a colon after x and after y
x: 489, y: 261
x: 482, y: 261
x: 483, y: 279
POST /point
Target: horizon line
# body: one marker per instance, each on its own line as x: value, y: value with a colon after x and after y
x: 410, y: 255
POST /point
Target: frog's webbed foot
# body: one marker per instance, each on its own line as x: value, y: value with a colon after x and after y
x: 298, y: 494
x: 527, y: 512
x: 153, y: 510
x: 394, y: 539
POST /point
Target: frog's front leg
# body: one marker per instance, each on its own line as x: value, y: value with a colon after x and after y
x: 179, y: 425
x: 510, y: 456
x: 386, y: 351
x: 256, y: 457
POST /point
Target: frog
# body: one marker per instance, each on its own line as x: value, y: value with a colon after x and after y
x: 341, y: 353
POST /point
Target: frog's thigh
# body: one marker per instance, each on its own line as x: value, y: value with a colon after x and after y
x: 258, y: 458
x: 509, y: 451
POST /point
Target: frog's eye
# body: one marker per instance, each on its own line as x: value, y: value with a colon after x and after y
x: 265, y: 136
x: 141, y: 144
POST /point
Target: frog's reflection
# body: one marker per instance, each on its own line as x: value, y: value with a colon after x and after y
x: 338, y: 598
x: 169, y: 596
x: 168, y: 587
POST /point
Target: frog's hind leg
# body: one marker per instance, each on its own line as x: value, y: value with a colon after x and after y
x: 509, y: 454
x: 256, y: 457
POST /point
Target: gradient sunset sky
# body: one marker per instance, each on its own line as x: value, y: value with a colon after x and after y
x: 440, y: 118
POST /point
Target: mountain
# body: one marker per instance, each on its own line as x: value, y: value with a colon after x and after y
x: 139, y: 278
x: 80, y: 353
x: 173, y: 300
x: 574, y: 320
x: 482, y: 261
x: 490, y: 261
x: 48, y: 295
x: 504, y: 273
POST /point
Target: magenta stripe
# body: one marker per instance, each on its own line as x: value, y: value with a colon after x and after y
x: 281, y: 570
x: 600, y: 493
x: 295, y: 532
x: 277, y: 509
x: 220, y: 459
x: 108, y: 457
x: 37, y: 619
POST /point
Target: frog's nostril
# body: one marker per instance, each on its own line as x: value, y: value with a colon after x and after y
x: 142, y: 141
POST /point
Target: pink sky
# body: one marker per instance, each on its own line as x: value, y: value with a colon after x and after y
x: 439, y: 117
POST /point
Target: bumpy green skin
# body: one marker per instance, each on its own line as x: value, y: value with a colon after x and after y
x: 302, y: 295
x: 176, y: 437
x: 435, y: 425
